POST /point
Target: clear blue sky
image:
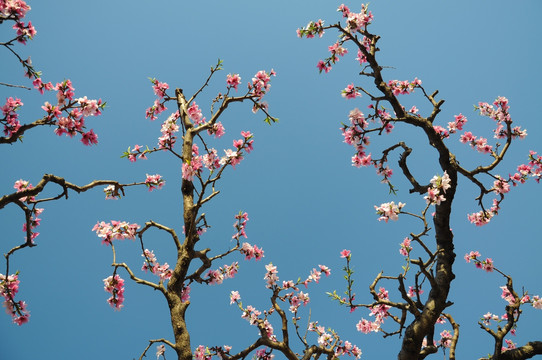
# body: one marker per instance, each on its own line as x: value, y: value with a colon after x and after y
x: 305, y: 200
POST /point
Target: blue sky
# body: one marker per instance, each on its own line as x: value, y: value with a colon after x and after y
x: 305, y: 200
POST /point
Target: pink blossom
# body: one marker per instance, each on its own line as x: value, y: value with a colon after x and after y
x: 345, y: 254
x: 445, y: 339
x: 154, y: 182
x: 405, y: 247
x: 114, y: 286
x: 500, y: 186
x: 89, y: 138
x: 537, y: 302
x: 159, y: 88
x: 194, y: 113
x: 234, y: 297
x: 350, y: 92
x: 233, y: 80
x: 389, y: 211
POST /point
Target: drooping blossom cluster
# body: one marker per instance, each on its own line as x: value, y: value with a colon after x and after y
x: 10, y: 119
x: 486, y: 264
x: 439, y: 185
x: 150, y: 263
x: 116, y: 230
x: 379, y: 311
x: 154, y: 182
x: 216, y: 277
x: 9, y: 287
x: 389, y: 211
x: 21, y: 185
x: 115, y: 286
x: 445, y: 339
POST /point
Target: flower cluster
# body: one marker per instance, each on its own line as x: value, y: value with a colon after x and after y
x: 115, y: 286
x: 240, y: 224
x: 439, y: 185
x: 233, y: 81
x: 16, y: 10
x: 484, y: 216
x: 379, y: 311
x: 150, y: 263
x: 259, y: 86
x: 251, y: 252
x: 216, y: 277
x: 271, y: 276
x: 389, y: 211
x: 116, y: 230
x: 316, y: 274
x: 350, y: 92
x: 34, y: 222
x: 326, y: 339
x: 445, y: 339
x: 356, y: 21
x: 405, y: 248
x: 202, y: 353
x: 10, y: 120
x: 9, y: 287
x: 479, y: 144
x: 403, y: 87
x: 457, y: 124
x: 312, y: 28
x: 154, y: 182
x: 486, y: 264
x: 76, y: 109
x: 68, y: 114
x: 168, y: 130
x: 159, y: 88
x: 158, y: 107
x: 21, y: 185
x: 195, y: 114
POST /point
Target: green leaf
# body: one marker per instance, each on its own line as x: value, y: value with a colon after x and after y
x: 270, y: 119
